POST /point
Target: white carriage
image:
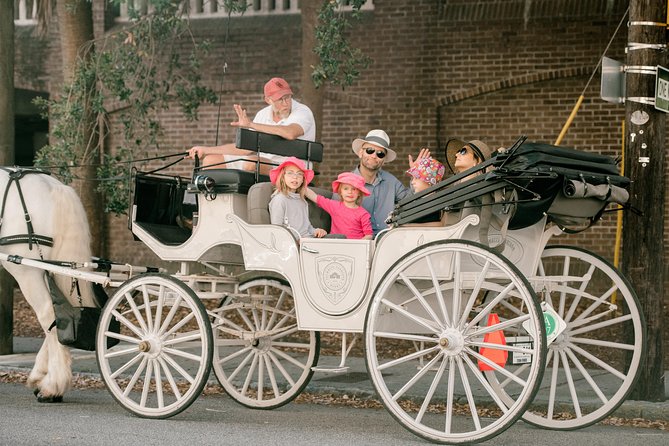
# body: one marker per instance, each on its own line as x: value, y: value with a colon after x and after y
x: 460, y: 339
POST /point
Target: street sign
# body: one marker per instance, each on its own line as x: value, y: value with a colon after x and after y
x: 662, y: 89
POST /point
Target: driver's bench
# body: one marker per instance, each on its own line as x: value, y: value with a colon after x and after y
x: 159, y: 199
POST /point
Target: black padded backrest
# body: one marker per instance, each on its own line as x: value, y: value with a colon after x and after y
x: 258, y: 206
x: 264, y: 142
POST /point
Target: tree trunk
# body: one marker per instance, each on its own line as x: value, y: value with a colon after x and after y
x: 6, y: 157
x: 643, y: 247
x: 311, y: 95
x: 75, y: 21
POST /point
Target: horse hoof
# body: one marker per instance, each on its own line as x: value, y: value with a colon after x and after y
x: 49, y: 399
x: 36, y: 391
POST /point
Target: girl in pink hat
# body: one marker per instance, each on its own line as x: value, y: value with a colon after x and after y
x: 288, y: 206
x: 348, y: 217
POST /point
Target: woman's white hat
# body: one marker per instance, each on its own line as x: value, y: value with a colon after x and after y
x: 378, y: 138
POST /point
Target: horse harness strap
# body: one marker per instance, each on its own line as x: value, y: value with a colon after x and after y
x: 14, y: 176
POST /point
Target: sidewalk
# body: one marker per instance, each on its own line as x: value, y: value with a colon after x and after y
x: 354, y: 382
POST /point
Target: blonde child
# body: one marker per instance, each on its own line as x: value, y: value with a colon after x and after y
x: 288, y: 206
x: 426, y: 172
x: 348, y: 217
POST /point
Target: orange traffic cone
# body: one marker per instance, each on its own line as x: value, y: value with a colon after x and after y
x: 497, y: 356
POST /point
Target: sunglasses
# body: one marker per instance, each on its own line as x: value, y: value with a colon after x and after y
x: 462, y: 151
x: 380, y: 154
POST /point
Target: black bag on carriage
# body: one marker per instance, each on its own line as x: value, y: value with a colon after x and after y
x: 77, y: 326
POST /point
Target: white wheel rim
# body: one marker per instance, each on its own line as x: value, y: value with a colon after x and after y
x: 261, y: 358
x: 164, y: 358
x: 592, y: 351
x: 445, y: 325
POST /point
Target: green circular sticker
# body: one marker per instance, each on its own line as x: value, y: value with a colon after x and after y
x: 551, y: 324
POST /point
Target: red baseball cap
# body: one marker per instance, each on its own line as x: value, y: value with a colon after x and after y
x: 276, y: 88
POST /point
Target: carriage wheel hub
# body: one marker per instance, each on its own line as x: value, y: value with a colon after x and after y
x: 150, y: 346
x: 263, y: 344
x: 451, y: 342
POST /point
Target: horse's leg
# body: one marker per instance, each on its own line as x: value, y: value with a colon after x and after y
x: 52, y: 373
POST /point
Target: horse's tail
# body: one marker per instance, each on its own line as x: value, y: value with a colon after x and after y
x: 71, y: 239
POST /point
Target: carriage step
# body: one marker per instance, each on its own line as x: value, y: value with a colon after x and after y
x: 337, y: 370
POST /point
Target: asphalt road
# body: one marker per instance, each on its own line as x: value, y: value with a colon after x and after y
x: 91, y: 417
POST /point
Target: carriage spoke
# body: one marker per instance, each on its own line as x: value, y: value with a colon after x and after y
x: 159, y: 383
x: 554, y: 381
x: 170, y: 378
x: 437, y: 290
x: 127, y: 365
x: 183, y: 338
x: 414, y: 379
x: 405, y: 336
x: 419, y: 296
x: 408, y: 357
x: 178, y: 368
x: 135, y: 310
x: 242, y: 364
x: 170, y: 316
x: 178, y: 325
x: 608, y: 344
x: 417, y: 319
x: 468, y: 392
x: 486, y: 385
x: 261, y: 375
x: 129, y: 325
x: 487, y: 309
x: 272, y: 378
x: 147, y: 383
x: 587, y: 376
x: 182, y: 354
x: 473, y: 295
x: 433, y: 387
x: 603, y: 324
x: 250, y: 373
x: 574, y: 305
x: 159, y: 308
x: 147, y: 306
x: 496, y: 367
x: 135, y: 376
x: 281, y: 368
x: 449, y: 396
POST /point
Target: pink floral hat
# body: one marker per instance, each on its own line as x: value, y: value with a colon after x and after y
x: 350, y: 178
x: 429, y: 170
x: 308, y: 173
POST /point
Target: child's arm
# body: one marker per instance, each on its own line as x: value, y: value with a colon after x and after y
x: 366, y: 223
x: 311, y: 195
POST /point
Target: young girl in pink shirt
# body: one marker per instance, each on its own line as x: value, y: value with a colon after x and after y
x: 348, y: 217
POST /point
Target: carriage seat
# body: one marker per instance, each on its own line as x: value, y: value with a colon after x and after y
x: 258, y: 206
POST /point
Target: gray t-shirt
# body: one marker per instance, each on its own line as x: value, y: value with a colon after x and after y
x: 291, y: 210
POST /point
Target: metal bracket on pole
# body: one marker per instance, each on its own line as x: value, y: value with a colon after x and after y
x: 641, y: 100
x: 641, y: 69
x: 645, y: 23
x: 634, y: 46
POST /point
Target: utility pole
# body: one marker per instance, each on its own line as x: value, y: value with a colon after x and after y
x: 643, y: 235
x: 6, y: 157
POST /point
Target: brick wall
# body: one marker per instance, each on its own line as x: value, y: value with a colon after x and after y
x: 490, y: 70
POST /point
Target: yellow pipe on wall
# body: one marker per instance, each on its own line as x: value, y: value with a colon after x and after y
x: 569, y: 120
x: 619, y: 222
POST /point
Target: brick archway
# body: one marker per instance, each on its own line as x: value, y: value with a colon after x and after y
x: 529, y: 78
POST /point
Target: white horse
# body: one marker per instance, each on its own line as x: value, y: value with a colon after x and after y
x: 55, y: 211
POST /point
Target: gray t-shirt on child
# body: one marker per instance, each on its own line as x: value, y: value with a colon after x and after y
x: 291, y: 210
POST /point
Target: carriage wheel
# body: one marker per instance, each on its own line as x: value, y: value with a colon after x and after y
x: 455, y: 303
x: 261, y: 358
x: 164, y: 358
x: 602, y: 344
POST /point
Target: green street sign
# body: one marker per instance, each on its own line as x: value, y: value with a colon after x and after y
x: 662, y: 89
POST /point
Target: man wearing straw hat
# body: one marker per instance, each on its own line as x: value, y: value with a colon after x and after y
x: 385, y: 189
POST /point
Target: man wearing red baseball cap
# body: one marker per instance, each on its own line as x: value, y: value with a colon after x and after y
x: 283, y: 116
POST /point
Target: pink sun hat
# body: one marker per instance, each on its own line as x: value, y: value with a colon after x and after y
x: 429, y: 170
x: 350, y: 178
x: 308, y: 173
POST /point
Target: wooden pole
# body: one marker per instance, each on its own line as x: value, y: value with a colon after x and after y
x: 6, y: 157
x: 643, y: 235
